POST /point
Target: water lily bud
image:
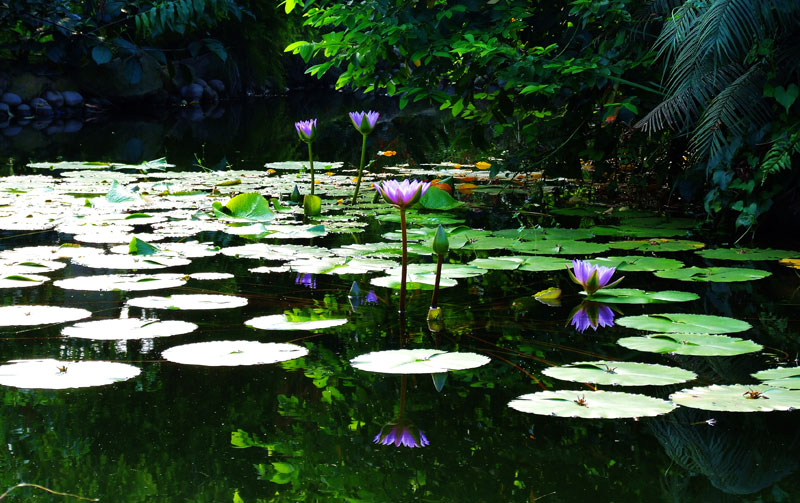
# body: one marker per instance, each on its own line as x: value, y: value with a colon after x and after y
x: 295, y: 197
x: 440, y: 243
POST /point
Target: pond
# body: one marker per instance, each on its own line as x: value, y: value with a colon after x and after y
x: 311, y: 387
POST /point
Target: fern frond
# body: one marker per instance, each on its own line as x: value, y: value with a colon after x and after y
x: 729, y: 28
x: 779, y: 156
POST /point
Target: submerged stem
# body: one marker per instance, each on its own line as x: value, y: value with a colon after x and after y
x: 404, y: 266
x: 360, y: 166
x: 311, y: 165
x: 435, y: 297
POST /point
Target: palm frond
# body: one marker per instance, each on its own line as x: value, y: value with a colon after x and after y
x: 779, y: 156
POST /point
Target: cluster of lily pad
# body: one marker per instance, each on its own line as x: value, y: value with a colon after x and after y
x: 142, y: 221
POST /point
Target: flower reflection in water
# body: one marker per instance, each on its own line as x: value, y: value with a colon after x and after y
x: 401, y: 432
x: 306, y: 280
x: 371, y: 298
x: 591, y: 314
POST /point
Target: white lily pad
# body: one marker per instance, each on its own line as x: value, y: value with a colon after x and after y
x: 691, y: 344
x: 131, y: 262
x: 233, y: 353
x: 783, y: 377
x: 22, y: 315
x: 417, y: 361
x: 57, y: 374
x: 620, y: 373
x: 413, y: 281
x: 292, y: 322
x: 127, y: 329
x: 738, y: 398
x: 341, y: 265
x: 189, y: 302
x: 211, y: 276
x: 26, y: 267
x: 591, y: 404
x: 22, y: 280
x: 124, y: 282
x: 684, y: 323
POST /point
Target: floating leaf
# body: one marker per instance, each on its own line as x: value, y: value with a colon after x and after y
x: 746, y: 254
x: 784, y: 377
x: 249, y: 206
x: 657, y: 245
x: 413, y: 282
x: 341, y: 265
x: 283, y: 322
x: 558, y: 247
x: 130, y: 262
x: 620, y: 373
x: 139, y: 247
x: 189, y: 302
x: 691, y: 344
x: 684, y: 323
x: 714, y: 274
x: 635, y: 296
x: 546, y: 233
x: 22, y: 315
x: 635, y: 263
x: 233, y: 353
x: 19, y: 281
x: 125, y: 282
x: 738, y: 398
x: 591, y: 404
x: 438, y: 199
x: 120, y: 194
x: 57, y: 374
x: 417, y: 361
x: 127, y: 329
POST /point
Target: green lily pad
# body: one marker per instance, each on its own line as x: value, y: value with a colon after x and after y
x: 130, y: 262
x: 714, y: 274
x: 691, y: 344
x: 638, y: 263
x: 189, y: 302
x: 684, y: 323
x: 22, y: 315
x: 638, y: 232
x: 249, y: 206
x: 558, y: 247
x: 508, y: 263
x: 284, y: 322
x: 58, y: 374
x: 121, y: 194
x: 413, y: 281
x: 452, y: 271
x: 635, y: 296
x: 738, y: 398
x: 139, y: 247
x: 546, y: 233
x: 745, y: 254
x: 417, y: 361
x: 233, y: 353
x: 591, y: 404
x: 783, y: 377
x: 413, y: 217
x: 438, y: 199
x: 128, y: 329
x: 620, y: 373
x: 22, y: 281
x: 657, y: 245
x: 341, y: 265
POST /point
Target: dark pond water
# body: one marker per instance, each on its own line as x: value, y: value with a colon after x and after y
x: 303, y: 430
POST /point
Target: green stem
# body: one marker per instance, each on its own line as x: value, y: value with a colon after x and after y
x: 404, y: 266
x: 361, y: 166
x: 311, y: 164
x: 435, y: 298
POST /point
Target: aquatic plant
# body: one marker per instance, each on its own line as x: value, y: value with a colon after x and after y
x: 591, y: 314
x: 440, y: 247
x: 307, y: 131
x: 401, y: 432
x: 402, y: 195
x: 592, y: 277
x: 364, y: 122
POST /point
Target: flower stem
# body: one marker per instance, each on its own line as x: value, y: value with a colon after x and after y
x: 435, y: 297
x: 404, y: 266
x: 360, y: 166
x: 311, y: 164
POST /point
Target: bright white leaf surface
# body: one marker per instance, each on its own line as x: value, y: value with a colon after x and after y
x: 189, y: 302
x: 22, y: 280
x: 125, y: 282
x: 55, y: 374
x: 132, y: 262
x: 233, y: 353
x: 128, y: 328
x: 417, y: 361
x: 590, y: 404
x: 738, y: 398
x: 20, y: 315
x: 281, y: 322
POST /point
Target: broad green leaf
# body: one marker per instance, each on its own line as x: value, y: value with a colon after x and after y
x: 438, y: 199
x: 545, y: 233
x: 714, y: 274
x: 233, y: 353
x: 635, y: 296
x: 738, y: 398
x: 657, y: 245
x: 249, y: 206
x: 636, y: 263
x: 680, y: 323
x: 194, y: 302
x: 783, y: 377
x: 620, y: 373
x: 417, y: 361
x: 590, y: 404
x: 746, y: 254
x: 691, y: 344
x: 558, y: 247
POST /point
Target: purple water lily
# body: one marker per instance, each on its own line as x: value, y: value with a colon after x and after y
x: 364, y: 121
x: 306, y: 130
x: 402, y: 194
x: 592, y: 314
x: 592, y: 277
x: 401, y: 432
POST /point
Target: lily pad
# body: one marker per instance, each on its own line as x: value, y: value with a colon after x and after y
x: 738, y: 398
x: 558, y: 247
x: 620, y: 373
x: 57, y: 374
x: 127, y: 329
x: 249, y: 206
x: 591, y: 404
x: 233, y: 353
x: 714, y: 274
x: 124, y: 282
x: 691, y: 344
x: 783, y: 377
x: 284, y: 322
x: 438, y: 199
x: 189, y: 302
x: 417, y: 361
x: 635, y: 296
x: 545, y: 233
x: 746, y: 254
x: 657, y: 245
x: 684, y: 323
x: 636, y: 263
x: 341, y: 265
x: 130, y: 262
x: 22, y: 281
x: 21, y: 315
x: 413, y: 282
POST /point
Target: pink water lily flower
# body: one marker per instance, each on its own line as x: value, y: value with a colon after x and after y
x: 592, y: 277
x: 402, y: 194
x: 364, y: 121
